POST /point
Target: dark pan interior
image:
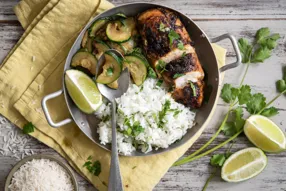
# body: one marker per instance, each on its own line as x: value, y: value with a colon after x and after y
x: 88, y: 123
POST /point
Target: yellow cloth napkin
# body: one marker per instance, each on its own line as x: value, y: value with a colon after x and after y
x: 34, y: 68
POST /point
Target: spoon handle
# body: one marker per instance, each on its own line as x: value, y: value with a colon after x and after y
x: 115, y: 182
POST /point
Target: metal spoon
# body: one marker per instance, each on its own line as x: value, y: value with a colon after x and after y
x: 115, y: 182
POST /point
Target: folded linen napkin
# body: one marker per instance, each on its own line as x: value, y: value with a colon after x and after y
x: 34, y: 68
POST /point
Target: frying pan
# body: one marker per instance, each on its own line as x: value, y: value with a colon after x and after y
x: 88, y: 123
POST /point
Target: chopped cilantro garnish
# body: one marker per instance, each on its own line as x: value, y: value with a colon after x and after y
x: 193, y: 88
x: 159, y: 82
x: 173, y: 36
x: 93, y: 167
x: 163, y: 28
x: 163, y: 112
x: 106, y: 118
x: 177, y: 75
x: 161, y: 66
x: 181, y: 45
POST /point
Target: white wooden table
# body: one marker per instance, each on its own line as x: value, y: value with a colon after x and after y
x: 241, y: 18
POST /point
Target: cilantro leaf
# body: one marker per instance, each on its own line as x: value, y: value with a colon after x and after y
x: 93, y: 167
x: 159, y: 82
x: 177, y: 75
x: 109, y: 71
x: 269, y: 112
x: 234, y: 126
x: 151, y: 73
x: 281, y: 85
x: 193, y: 88
x: 261, y: 54
x: 228, y: 93
x: 173, y: 36
x: 246, y: 49
x: 270, y: 42
x: 284, y: 73
x: 163, y: 112
x: 262, y: 33
x: 229, y: 129
x: 264, y: 38
x: 256, y: 103
x: 181, y: 45
x: 162, y: 27
x: 28, y: 128
x: 161, y: 66
x: 218, y: 160
x: 184, y: 54
x: 244, y: 94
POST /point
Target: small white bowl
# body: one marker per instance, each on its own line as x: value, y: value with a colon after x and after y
x: 49, y: 157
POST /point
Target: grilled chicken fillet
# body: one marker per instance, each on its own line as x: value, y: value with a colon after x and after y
x: 181, y: 66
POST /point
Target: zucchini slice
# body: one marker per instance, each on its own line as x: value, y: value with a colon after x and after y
x: 96, y: 26
x: 84, y: 39
x: 137, y: 68
x: 111, y: 69
x: 118, y: 32
x: 84, y: 60
x: 118, y: 16
x: 116, y: 46
x: 113, y: 85
x: 99, y: 48
x: 128, y: 46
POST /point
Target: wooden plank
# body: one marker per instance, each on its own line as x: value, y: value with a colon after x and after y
x: 200, y: 10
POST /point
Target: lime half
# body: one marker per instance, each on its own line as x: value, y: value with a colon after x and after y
x: 83, y: 91
x: 243, y: 165
x: 265, y: 134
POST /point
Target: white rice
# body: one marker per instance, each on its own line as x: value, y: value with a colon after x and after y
x: 142, y: 106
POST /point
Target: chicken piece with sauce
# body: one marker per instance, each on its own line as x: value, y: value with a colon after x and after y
x: 168, y: 47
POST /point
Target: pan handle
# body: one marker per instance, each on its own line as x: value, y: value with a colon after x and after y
x: 236, y: 50
x: 46, y: 111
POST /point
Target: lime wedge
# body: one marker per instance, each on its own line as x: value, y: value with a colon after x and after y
x: 83, y: 91
x: 265, y: 134
x: 243, y: 165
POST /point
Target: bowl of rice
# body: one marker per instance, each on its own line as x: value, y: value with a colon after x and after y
x: 41, y: 172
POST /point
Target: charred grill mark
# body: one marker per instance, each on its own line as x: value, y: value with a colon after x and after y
x: 186, y: 95
x: 182, y: 65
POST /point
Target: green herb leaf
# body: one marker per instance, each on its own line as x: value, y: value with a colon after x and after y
x: 161, y: 66
x: 163, y: 112
x: 177, y: 76
x: 106, y: 118
x: 184, y: 54
x: 262, y: 33
x: 162, y: 27
x: 246, y: 49
x: 151, y: 73
x: 93, y: 167
x: 109, y: 71
x: 159, y: 82
x: 264, y: 38
x: 28, y: 128
x: 281, y: 85
x: 284, y: 73
x: 244, y: 94
x: 270, y: 112
x: 234, y: 126
x: 261, y: 54
x: 173, y: 36
x: 181, y: 45
x: 218, y: 160
x: 256, y: 103
x: 229, y: 93
x: 193, y: 88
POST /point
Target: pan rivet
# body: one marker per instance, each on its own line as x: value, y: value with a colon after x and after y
x: 82, y: 123
x: 216, y: 79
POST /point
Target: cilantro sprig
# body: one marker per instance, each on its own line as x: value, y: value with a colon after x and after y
x: 262, y: 47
